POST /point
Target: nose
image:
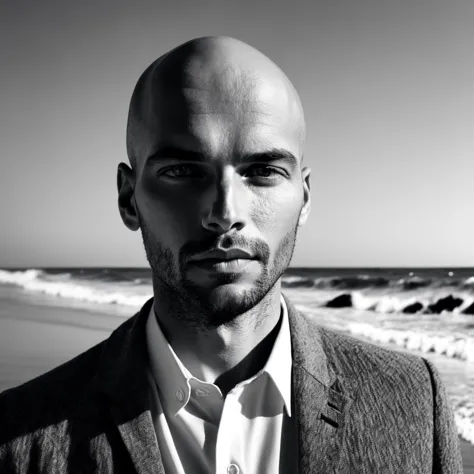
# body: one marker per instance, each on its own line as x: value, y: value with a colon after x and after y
x: 227, y: 206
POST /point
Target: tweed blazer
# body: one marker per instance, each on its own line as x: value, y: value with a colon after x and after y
x: 359, y: 409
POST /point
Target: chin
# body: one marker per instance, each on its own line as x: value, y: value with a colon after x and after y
x: 227, y: 292
x: 237, y: 298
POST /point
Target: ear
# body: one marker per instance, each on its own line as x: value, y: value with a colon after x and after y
x: 306, y: 176
x: 126, y: 198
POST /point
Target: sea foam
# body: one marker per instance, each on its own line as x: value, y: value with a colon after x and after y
x: 62, y: 286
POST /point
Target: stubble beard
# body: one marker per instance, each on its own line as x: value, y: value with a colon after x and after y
x: 193, y: 304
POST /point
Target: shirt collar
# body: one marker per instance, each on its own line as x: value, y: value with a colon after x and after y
x: 173, y: 378
x: 279, y: 362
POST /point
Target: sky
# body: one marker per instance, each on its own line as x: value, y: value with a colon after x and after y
x: 387, y: 88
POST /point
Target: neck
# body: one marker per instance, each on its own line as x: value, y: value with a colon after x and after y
x: 229, y: 353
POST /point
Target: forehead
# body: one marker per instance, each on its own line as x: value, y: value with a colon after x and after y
x: 236, y: 114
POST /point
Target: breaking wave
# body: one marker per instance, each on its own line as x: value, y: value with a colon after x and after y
x: 63, y: 285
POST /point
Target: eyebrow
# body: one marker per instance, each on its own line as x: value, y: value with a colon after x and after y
x: 268, y: 156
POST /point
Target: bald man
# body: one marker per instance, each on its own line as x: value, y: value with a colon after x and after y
x: 218, y: 372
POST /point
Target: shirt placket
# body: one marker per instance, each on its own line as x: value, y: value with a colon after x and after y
x: 229, y: 458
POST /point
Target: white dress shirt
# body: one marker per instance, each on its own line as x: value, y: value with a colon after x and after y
x: 250, y: 431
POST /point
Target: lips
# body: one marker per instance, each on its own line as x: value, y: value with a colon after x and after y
x: 222, y: 255
x: 234, y: 265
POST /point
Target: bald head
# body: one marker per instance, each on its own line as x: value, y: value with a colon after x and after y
x: 215, y: 139
x: 221, y: 78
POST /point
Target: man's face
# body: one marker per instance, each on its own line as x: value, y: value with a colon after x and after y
x: 186, y: 207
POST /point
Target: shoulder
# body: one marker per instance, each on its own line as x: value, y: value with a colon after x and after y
x: 34, y: 416
x: 54, y: 389
x: 67, y: 382
x: 374, y: 367
x: 366, y: 353
x: 48, y: 413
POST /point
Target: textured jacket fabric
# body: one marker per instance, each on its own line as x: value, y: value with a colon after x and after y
x: 359, y: 409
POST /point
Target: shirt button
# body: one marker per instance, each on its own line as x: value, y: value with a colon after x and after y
x: 233, y: 469
x: 180, y: 395
x: 200, y: 392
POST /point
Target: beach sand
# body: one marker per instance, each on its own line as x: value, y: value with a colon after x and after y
x: 36, y: 338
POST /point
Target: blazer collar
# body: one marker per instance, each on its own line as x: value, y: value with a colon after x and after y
x: 322, y: 396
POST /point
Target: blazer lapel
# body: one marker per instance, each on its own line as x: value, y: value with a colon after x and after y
x: 322, y: 398
x: 122, y: 377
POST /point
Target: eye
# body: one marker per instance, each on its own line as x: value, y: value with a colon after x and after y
x: 263, y: 171
x: 179, y: 171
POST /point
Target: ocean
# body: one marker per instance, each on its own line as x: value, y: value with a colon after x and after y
x: 428, y: 312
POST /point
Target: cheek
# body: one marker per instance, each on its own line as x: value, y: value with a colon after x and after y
x: 170, y: 215
x: 276, y: 211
